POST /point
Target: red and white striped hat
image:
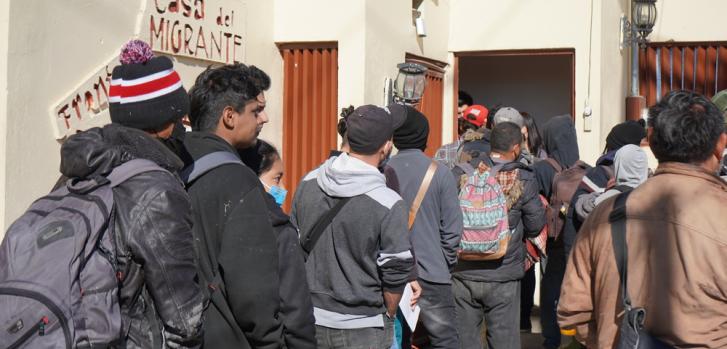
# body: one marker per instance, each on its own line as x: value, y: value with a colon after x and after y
x: 146, y: 92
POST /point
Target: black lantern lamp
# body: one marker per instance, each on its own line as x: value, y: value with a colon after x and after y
x: 410, y: 83
x: 643, y: 18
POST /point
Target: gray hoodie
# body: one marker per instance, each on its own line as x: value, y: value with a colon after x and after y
x: 364, y: 251
x: 631, y: 169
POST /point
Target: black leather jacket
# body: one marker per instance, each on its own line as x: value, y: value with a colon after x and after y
x: 161, y: 301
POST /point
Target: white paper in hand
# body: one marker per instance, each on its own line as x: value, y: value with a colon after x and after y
x: 411, y: 315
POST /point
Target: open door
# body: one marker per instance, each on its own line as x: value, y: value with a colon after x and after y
x: 540, y: 82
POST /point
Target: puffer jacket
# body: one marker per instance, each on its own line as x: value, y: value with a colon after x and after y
x: 161, y: 301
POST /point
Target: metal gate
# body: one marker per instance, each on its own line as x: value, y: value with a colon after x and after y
x: 310, y: 104
x: 699, y: 67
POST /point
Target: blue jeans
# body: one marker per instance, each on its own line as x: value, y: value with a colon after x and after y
x: 357, y: 338
x: 550, y: 293
x: 495, y: 304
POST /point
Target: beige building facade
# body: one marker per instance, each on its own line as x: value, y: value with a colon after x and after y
x: 53, y: 51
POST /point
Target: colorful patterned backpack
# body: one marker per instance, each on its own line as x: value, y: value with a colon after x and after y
x: 484, y: 209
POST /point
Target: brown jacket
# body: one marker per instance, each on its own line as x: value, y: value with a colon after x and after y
x: 677, y: 263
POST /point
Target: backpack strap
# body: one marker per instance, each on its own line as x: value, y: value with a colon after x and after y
x: 623, y: 188
x: 556, y: 166
x: 608, y: 170
x: 207, y: 163
x: 321, y: 225
x: 617, y: 218
x: 131, y: 168
x: 466, y: 167
x: 421, y: 193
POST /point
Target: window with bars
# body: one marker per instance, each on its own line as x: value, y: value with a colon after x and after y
x: 699, y: 67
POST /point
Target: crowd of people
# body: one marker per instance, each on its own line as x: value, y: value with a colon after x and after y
x: 205, y: 255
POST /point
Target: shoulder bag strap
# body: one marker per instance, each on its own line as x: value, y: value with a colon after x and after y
x: 617, y: 218
x: 421, y: 193
x: 321, y: 225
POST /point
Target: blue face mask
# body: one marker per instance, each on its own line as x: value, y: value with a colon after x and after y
x: 277, y: 193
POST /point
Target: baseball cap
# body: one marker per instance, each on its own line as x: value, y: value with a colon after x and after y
x: 398, y: 114
x: 476, y: 115
x: 508, y: 114
x: 369, y: 127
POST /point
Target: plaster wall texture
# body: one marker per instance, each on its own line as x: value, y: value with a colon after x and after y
x: 4, y: 36
x: 53, y: 46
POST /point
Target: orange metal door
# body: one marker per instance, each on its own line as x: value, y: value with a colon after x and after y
x: 310, y: 101
x: 431, y: 107
x: 431, y: 104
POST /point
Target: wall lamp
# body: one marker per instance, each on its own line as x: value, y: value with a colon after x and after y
x: 643, y: 18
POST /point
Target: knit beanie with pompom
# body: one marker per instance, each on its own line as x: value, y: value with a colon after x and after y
x: 146, y: 92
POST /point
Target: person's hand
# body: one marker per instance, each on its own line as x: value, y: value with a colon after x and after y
x: 416, y: 292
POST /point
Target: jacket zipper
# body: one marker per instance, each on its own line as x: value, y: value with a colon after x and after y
x: 39, y: 327
x: 48, y: 303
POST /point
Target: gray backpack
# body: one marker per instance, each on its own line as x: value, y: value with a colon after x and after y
x: 59, y: 286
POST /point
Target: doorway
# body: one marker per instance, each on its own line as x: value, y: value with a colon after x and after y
x: 539, y: 82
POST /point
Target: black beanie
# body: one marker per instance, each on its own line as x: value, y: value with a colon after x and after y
x: 146, y: 92
x: 629, y: 132
x: 414, y: 132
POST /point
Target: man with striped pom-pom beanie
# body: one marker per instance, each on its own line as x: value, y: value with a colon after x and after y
x: 161, y: 302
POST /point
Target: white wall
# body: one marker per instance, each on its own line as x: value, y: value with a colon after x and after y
x: 610, y: 67
x: 390, y: 34
x: 329, y: 20
x: 53, y: 46
x: 693, y: 20
x: 4, y: 37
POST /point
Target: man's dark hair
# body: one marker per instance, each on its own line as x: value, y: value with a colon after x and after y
x: 259, y: 78
x: 233, y: 85
x: 504, y: 136
x: 261, y: 157
x: 464, y: 98
x: 341, y: 127
x: 686, y: 127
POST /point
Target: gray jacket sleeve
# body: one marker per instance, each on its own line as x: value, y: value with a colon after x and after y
x: 395, y: 260
x: 450, y: 223
x: 585, y: 204
x: 533, y: 212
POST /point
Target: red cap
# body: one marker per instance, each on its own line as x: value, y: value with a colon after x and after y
x: 476, y: 115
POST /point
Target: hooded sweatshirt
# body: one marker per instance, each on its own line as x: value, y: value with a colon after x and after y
x: 561, y: 144
x: 632, y: 169
x: 364, y: 251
